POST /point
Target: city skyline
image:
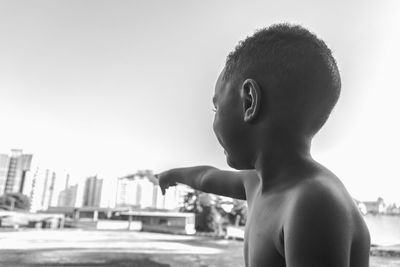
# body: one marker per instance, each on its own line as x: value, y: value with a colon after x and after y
x: 103, y: 88
x: 46, y: 190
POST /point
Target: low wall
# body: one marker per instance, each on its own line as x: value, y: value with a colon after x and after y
x: 119, y: 225
x: 235, y: 232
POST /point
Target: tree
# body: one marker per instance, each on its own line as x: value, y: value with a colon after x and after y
x: 12, y: 201
x: 191, y: 202
x: 207, y: 217
x: 238, y: 214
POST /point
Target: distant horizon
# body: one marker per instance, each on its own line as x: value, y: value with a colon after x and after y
x: 73, y: 182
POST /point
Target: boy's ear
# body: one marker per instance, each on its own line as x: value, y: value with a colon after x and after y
x: 251, y: 97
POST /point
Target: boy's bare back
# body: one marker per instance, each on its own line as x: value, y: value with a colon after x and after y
x: 276, y: 91
x: 309, y: 222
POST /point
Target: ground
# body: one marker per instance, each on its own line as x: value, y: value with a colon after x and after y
x: 122, y: 248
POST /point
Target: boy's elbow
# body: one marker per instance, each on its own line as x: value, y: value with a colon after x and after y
x: 204, y: 182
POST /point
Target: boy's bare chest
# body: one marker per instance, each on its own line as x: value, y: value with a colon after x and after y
x: 263, y: 244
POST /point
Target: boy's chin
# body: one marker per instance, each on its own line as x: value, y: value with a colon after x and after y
x: 235, y: 164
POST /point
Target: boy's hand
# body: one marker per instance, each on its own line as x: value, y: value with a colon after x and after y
x: 165, y: 180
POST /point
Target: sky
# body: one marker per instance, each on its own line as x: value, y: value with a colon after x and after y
x: 111, y: 87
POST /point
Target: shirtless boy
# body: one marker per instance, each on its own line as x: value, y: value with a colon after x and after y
x: 276, y: 91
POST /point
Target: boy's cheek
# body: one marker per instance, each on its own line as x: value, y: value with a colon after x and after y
x: 218, y: 131
x: 216, y: 125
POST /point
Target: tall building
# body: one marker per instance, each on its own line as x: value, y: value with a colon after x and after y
x: 92, y: 192
x: 43, y: 190
x: 13, y: 171
x: 133, y: 190
x: 67, y: 197
x: 4, y: 162
x: 44, y: 200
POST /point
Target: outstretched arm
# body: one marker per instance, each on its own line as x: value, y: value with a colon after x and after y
x: 209, y: 179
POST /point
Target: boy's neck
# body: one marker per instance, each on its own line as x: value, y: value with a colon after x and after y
x: 277, y: 158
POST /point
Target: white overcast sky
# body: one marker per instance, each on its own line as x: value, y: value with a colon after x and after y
x: 109, y: 87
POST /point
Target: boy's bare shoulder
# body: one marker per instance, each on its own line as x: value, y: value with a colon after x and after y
x: 323, y: 192
x: 323, y: 217
x: 321, y: 203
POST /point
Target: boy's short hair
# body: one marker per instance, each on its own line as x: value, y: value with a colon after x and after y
x: 298, y: 63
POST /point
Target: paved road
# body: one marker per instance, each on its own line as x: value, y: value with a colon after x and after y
x: 122, y: 248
